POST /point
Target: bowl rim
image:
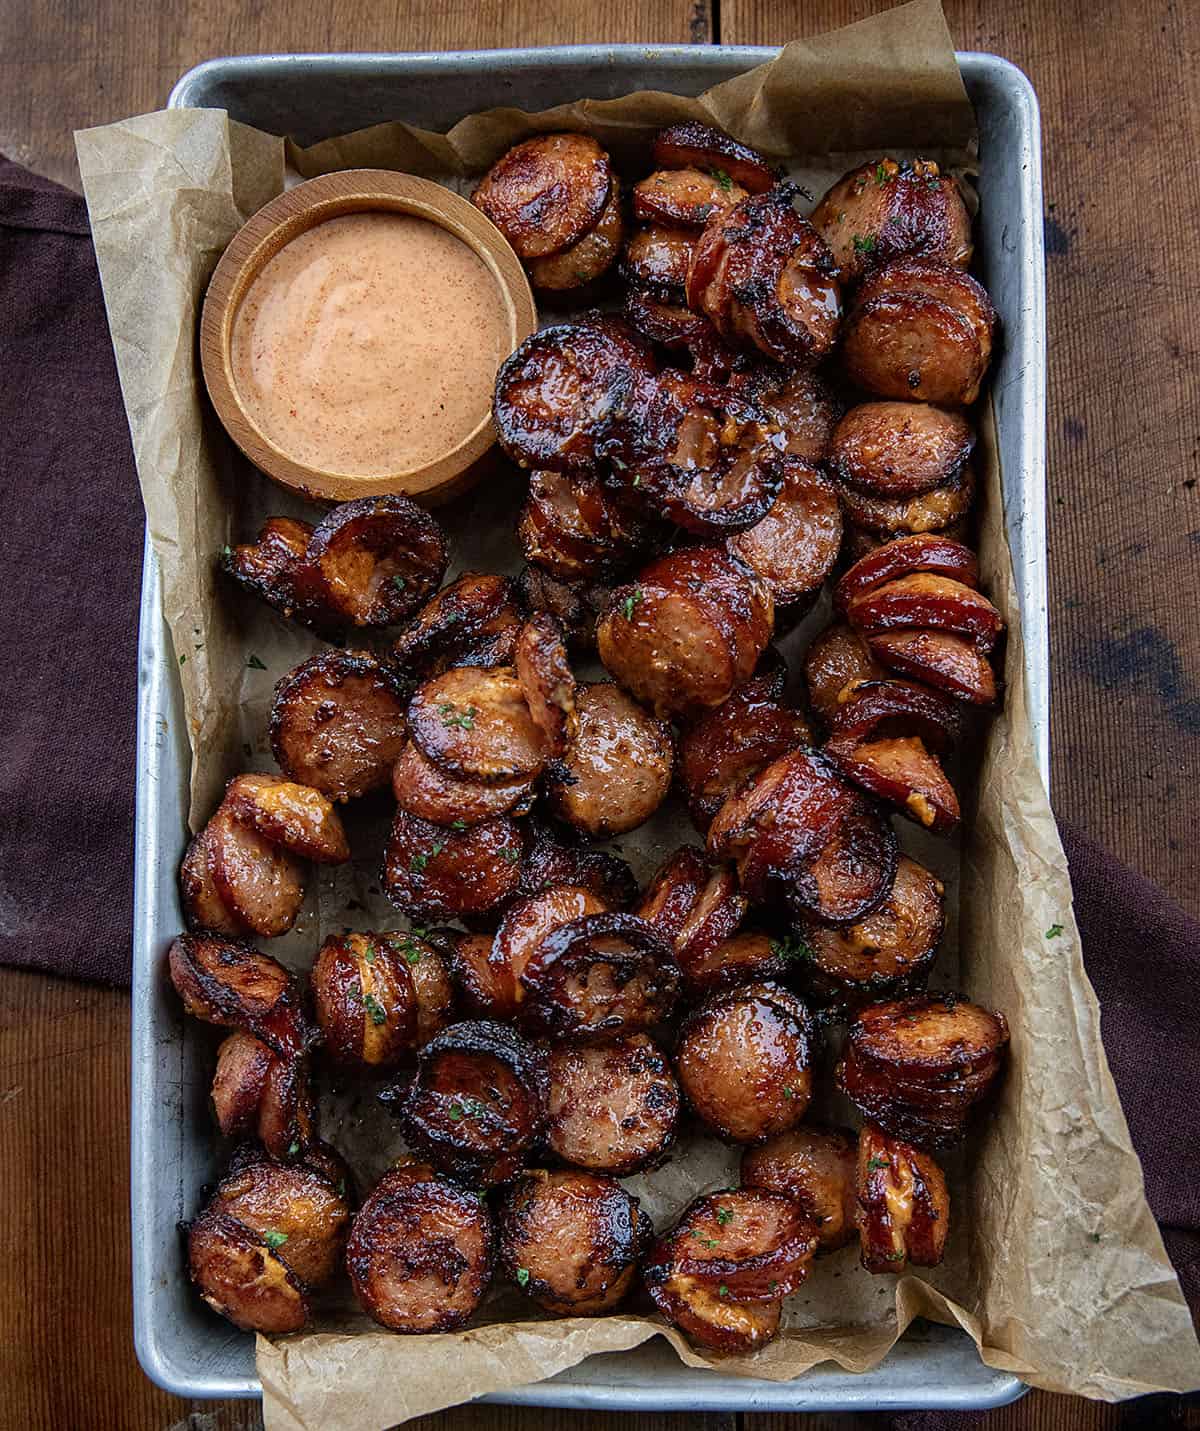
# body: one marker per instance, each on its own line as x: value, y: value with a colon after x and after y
x: 284, y: 218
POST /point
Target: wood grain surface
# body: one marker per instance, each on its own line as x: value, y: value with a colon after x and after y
x: 1121, y: 106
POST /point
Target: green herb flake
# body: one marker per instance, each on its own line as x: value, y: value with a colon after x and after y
x: 255, y: 664
x: 723, y: 179
x: 876, y: 1163
x: 412, y: 955
x: 722, y: 1290
x: 456, y: 1113
x: 637, y: 481
x: 375, y: 1009
x: 459, y: 825
x: 897, y: 1256
x: 772, y: 1285
x: 522, y: 1276
x: 274, y: 1240
x: 451, y: 717
x: 369, y: 955
x: 881, y: 175
x: 724, y: 1216
x: 293, y: 1149
x: 630, y: 602
x: 399, y: 583
x: 183, y: 659
x: 510, y: 854
x: 841, y: 216
x: 580, y: 275
x: 1094, y: 1236
x: 792, y: 948
x: 864, y: 244
x: 417, y: 864
x: 1054, y: 931
x: 354, y: 990
x: 788, y: 1092
x: 226, y: 552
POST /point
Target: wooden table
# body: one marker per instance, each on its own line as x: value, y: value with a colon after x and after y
x: 1121, y: 108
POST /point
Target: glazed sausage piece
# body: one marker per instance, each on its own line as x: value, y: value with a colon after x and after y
x: 656, y: 258
x: 742, y: 736
x: 895, y: 707
x: 816, y: 1168
x: 765, y: 278
x: 801, y: 833
x: 433, y: 871
x: 548, y: 684
x: 548, y: 861
x: 566, y: 600
x: 694, y: 904
x: 365, y: 1001
x: 286, y: 1111
x: 674, y: 325
x: 600, y: 976
x: 903, y: 1204
x: 475, y: 724
x: 941, y: 509
x: 525, y: 924
x: 428, y: 962
x: 572, y: 1241
x: 686, y: 198
x: 241, y: 1278
x: 561, y: 390
x: 425, y: 790
x: 546, y: 193
x: 300, y: 1213
x: 886, y: 210
x: 617, y: 768
x: 919, y: 330
x: 613, y: 1107
x: 379, y: 558
x: 234, y: 985
x: 838, y: 659
x: 917, y: 1066
x: 421, y: 1252
x: 935, y: 553
x: 689, y: 630
x: 948, y: 663
x: 484, y: 987
x: 744, y: 1062
x: 902, y: 771
x: 203, y: 907
x: 890, y: 951
x: 275, y: 568
x: 477, y: 1103
x: 900, y: 449
x: 337, y: 724
x: 590, y: 257
x: 243, y: 1063
x: 746, y: 958
x: 930, y: 602
x: 571, y: 527
x: 799, y: 400
x: 691, y: 145
x: 300, y: 819
x: 793, y: 548
x: 474, y: 608
x: 260, y: 884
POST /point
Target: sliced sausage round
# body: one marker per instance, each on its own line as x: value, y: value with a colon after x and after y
x: 425, y: 790
x: 259, y: 883
x: 903, y: 1204
x: 241, y: 1278
x: 473, y: 608
x: 816, y: 1167
x: 546, y: 193
x: 365, y: 1001
x: 948, y: 663
x: 794, y: 547
x: 203, y: 906
x: 900, y: 449
x: 547, y: 682
x: 837, y: 660
x: 799, y: 400
x: 295, y: 816
x: 299, y: 1211
x: 444, y: 873
x: 590, y: 257
x: 656, y: 257
x: 686, y: 198
x: 935, y: 553
x: 692, y: 145
x: 938, y: 510
x: 475, y: 724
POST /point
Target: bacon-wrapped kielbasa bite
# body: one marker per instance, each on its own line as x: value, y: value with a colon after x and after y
x: 917, y: 1066
x: 421, y: 1252
x: 572, y: 1241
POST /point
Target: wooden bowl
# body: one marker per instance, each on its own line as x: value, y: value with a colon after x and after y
x: 283, y: 219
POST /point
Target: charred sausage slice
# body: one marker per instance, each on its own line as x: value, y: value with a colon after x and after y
x: 295, y: 816
x: 275, y: 568
x: 241, y: 1278
x: 934, y: 553
x: 228, y: 982
x: 548, y: 861
x: 590, y: 257
x: 903, y: 1204
x: 816, y: 1168
x: 203, y: 906
x: 337, y: 724
x: 477, y: 1103
x: 475, y: 724
x: 744, y: 1062
x: 525, y: 924
x: 694, y: 904
x: 433, y: 871
x: 941, y: 509
x: 656, y: 258
x: 365, y: 1001
x: 900, y: 449
x: 799, y: 400
x: 948, y: 663
x: 425, y: 790
x: 420, y: 1253
x: 572, y: 1241
x: 547, y: 681
x: 692, y: 145
x: 473, y: 608
x: 686, y: 198
x: 243, y: 1063
x: 931, y: 602
x: 301, y: 1214
x: 838, y: 659
x: 793, y: 548
x: 746, y: 958
x: 259, y: 883
x: 546, y: 193
x: 617, y: 768
x: 379, y: 558
x: 755, y: 1243
x: 613, y: 1107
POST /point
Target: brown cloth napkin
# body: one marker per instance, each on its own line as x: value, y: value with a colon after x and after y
x: 70, y: 565
x: 70, y: 554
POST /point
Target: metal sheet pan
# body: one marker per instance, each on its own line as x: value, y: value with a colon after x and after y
x: 182, y: 1347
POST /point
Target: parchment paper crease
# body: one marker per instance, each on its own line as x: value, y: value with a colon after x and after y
x: 1055, y: 1266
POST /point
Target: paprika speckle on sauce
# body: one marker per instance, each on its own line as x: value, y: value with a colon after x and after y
x: 369, y: 344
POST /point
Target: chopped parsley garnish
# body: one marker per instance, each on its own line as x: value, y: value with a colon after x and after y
x: 772, y: 1285
x: 412, y: 955
x: 510, y: 854
x: 183, y: 659
x: 522, y: 1276
x: 375, y: 1009
x: 459, y: 825
x: 876, y: 1163
x: 722, y: 1290
x: 399, y: 583
x: 1094, y: 1236
x: 226, y: 552
x: 864, y: 244
x: 724, y: 1216
x: 723, y: 179
x: 631, y: 601
x: 788, y: 1092
x: 793, y: 947
x: 274, y: 1239
x: 418, y: 862
x: 466, y: 1108
x: 255, y: 664
x: 369, y: 955
x: 881, y: 175
x: 450, y: 717
x: 293, y: 1149
x: 896, y: 1256
x: 1054, y: 931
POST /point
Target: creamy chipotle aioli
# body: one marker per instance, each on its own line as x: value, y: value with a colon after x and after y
x: 369, y: 344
